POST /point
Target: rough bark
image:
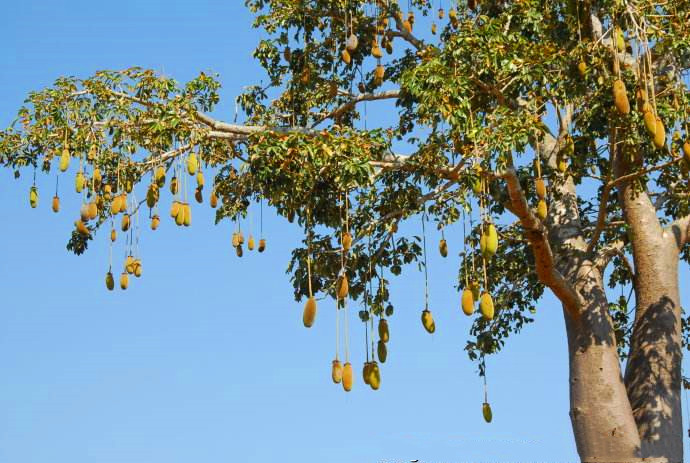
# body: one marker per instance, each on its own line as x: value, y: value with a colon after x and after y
x: 653, y: 376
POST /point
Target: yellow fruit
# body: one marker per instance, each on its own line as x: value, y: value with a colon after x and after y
x: 159, y: 175
x: 441, y: 13
x: 84, y: 212
x: 174, y: 209
x: 200, y: 180
x: 407, y: 26
x: 376, y: 52
x: 79, y: 182
x: 56, y: 204
x: 115, y: 205
x: 309, y: 312
x: 152, y: 195
x: 336, y: 371
x: 486, y: 412
x: 541, y: 188
x: 382, y: 351
x: 124, y: 280
x: 214, y: 199
x: 250, y: 243
x: 81, y: 228
x: 129, y: 264
x: 187, y: 215
x: 542, y: 209
x: 433, y: 28
x: 620, y: 40
x: 347, y: 377
x: 343, y: 287
x: 686, y: 150
x: 192, y: 164
x: 467, y: 302
x: 174, y: 186
x: 109, y: 281
x: 262, y: 245
x: 155, y: 221
x: 64, y: 160
x: 443, y: 248
x: 488, y: 243
x: 235, y: 239
x: 486, y: 306
x: 379, y: 73
x: 366, y: 372
x: 198, y: 196
x: 649, y: 122
x: 129, y: 186
x: 620, y: 97
x: 347, y: 241
x: 345, y: 55
x: 562, y: 165
x: 659, y: 134
x: 240, y: 237
x: 33, y: 197
x: 179, y: 217
x: 137, y: 268
x: 124, y: 226
x: 582, y: 67
x: 113, y: 235
x: 428, y: 321
x: 384, y: 334
x: 92, y: 210
x: 107, y: 190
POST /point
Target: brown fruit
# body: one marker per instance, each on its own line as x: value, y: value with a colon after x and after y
x: 384, y: 334
x: 374, y: 376
x: 486, y: 412
x: 56, y: 204
x: 428, y: 321
x: 343, y: 287
x: 649, y: 122
x: 347, y: 241
x: 152, y: 195
x: 366, y: 372
x: 382, y: 351
x: 198, y: 196
x: 345, y: 55
x: 81, y: 228
x: 109, y: 281
x: 309, y: 312
x: 155, y: 221
x: 443, y: 248
x: 336, y: 371
x: 347, y: 377
x: 124, y: 226
x: 620, y: 97
x: 262, y: 245
x: 174, y: 185
x: 214, y: 199
x: 407, y: 26
x: 541, y: 188
x: 113, y: 235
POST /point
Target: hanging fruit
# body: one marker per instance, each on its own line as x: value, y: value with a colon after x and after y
x: 486, y: 306
x: 443, y: 248
x: 428, y: 321
x: 213, y: 199
x: 382, y: 351
x: 542, y: 209
x: 262, y: 245
x: 124, y: 280
x: 64, y: 159
x: 124, y: 226
x: 33, y: 197
x: 309, y: 312
x: 345, y: 55
x: 250, y: 243
x: 109, y: 280
x: 347, y: 377
x: 192, y: 163
x: 155, y: 221
x: 620, y: 97
x: 467, y: 302
x: 159, y: 176
x: 174, y: 185
x: 198, y: 196
x: 336, y: 371
x: 374, y: 376
x: 347, y: 241
x: 81, y: 228
x: 659, y: 134
x: 366, y: 372
x: 486, y: 412
x: 343, y: 287
x: 541, y: 188
x: 56, y: 204
x: 79, y: 182
x: 187, y: 215
x: 488, y: 243
x: 351, y: 43
x: 384, y: 334
x: 113, y: 235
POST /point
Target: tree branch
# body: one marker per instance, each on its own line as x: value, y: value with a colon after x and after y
x: 389, y: 94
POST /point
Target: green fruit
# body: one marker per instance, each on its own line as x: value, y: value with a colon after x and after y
x: 374, y: 376
x: 64, y: 159
x: 384, y: 334
x: 33, y: 197
x: 109, y: 281
x: 79, y: 182
x: 474, y: 287
x: 486, y: 412
x: 382, y: 351
x: 486, y: 306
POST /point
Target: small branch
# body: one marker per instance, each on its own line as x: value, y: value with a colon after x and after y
x: 680, y: 229
x: 389, y: 94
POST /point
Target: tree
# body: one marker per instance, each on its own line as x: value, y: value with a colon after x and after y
x: 541, y: 126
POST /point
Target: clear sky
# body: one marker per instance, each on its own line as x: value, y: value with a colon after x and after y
x: 204, y: 359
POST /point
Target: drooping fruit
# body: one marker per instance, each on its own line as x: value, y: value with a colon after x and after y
x: 379, y: 73
x: 433, y: 28
x: 649, y: 121
x: 486, y: 306
x: 374, y: 376
x: 56, y: 204
x: 309, y: 312
x: 235, y: 239
x: 187, y: 214
x: 347, y: 241
x: 382, y: 351
x: 79, y: 182
x: 620, y: 97
x: 200, y: 180
x: 250, y: 243
x: 33, y: 197
x: 384, y: 334
x: 347, y: 377
x: 192, y: 163
x: 582, y: 68
x: 124, y: 226
x: 64, y: 159
x: 174, y: 209
x: 428, y: 321
x: 129, y: 264
x: 345, y: 55
x: 213, y: 199
x: 467, y: 301
x: 92, y: 209
x: 198, y: 196
x: 686, y: 150
x: 343, y: 287
x: 124, y: 280
x: 138, y: 269
x: 541, y: 188
x: 366, y: 372
x: 262, y: 245
x: 155, y: 221
x: 486, y: 412
x: 336, y: 371
x: 174, y: 185
x: 96, y: 177
x: 443, y: 248
x: 84, y: 212
x: 488, y: 243
x: 659, y: 134
x: 113, y: 235
x: 109, y: 281
x: 159, y: 176
x: 152, y: 195
x: 542, y: 209
x: 441, y: 13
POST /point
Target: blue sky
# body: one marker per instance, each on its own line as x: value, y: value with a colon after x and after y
x: 205, y: 358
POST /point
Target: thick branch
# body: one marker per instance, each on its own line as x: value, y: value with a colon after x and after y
x: 681, y: 231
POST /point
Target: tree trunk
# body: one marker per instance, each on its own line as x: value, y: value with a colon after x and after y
x: 600, y: 412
